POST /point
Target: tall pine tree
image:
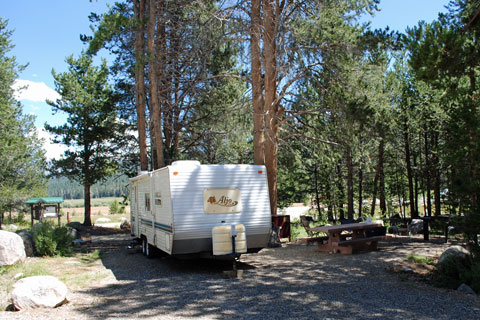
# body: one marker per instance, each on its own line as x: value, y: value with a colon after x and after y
x: 92, y: 125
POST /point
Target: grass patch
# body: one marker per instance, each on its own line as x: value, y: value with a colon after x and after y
x: 95, y: 202
x: 420, y: 259
x: 91, y: 257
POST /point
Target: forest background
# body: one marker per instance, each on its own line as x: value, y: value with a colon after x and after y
x: 338, y: 113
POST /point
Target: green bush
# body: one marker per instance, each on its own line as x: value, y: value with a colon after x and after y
x: 471, y: 277
x: 451, y: 273
x: 114, y: 208
x: 50, y: 241
x: 295, y: 230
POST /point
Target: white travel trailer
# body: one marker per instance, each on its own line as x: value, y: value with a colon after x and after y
x: 188, y: 208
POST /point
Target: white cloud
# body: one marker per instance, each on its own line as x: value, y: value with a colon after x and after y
x: 34, y: 91
x: 54, y: 150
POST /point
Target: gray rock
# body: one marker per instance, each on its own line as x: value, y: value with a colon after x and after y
x: 415, y: 227
x: 10, y: 227
x: 78, y: 242
x: 38, y: 292
x: 75, y: 225
x: 27, y: 238
x: 73, y: 232
x: 12, y: 249
x: 37, y: 226
x: 458, y: 253
x: 393, y: 230
x: 466, y: 289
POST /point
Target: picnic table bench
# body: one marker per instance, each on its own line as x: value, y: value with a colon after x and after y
x: 347, y: 238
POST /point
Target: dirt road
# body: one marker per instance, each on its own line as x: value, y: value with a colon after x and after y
x: 292, y: 282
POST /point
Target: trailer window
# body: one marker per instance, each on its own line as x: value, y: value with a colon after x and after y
x: 147, y: 201
x: 158, y: 199
x: 218, y: 201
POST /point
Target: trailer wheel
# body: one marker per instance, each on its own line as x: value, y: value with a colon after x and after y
x: 149, y: 251
x: 144, y: 246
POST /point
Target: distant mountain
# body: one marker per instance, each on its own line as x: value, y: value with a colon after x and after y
x: 116, y: 186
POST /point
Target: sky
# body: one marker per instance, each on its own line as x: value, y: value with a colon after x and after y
x: 45, y: 32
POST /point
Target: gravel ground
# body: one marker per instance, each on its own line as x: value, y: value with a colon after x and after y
x: 292, y: 282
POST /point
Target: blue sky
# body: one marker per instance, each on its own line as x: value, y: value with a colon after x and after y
x: 47, y: 31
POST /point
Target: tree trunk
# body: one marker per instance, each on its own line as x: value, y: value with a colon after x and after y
x: 271, y: 107
x: 153, y: 78
x: 87, y: 220
x: 377, y: 176
x: 411, y: 195
x: 317, y: 195
x: 383, y: 206
x: 166, y: 43
x: 329, y: 202
x: 415, y: 183
x: 257, y: 85
x: 360, y: 191
x: 436, y: 170
x: 139, y: 9
x: 427, y: 172
x: 349, y: 183
x: 341, y: 190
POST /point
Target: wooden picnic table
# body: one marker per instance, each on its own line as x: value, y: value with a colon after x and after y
x: 346, y: 238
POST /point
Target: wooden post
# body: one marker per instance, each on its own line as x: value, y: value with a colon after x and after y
x: 57, y: 209
x: 31, y: 213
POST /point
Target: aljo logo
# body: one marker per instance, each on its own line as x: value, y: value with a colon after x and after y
x: 224, y: 201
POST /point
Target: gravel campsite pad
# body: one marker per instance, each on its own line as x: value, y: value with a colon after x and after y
x: 292, y: 282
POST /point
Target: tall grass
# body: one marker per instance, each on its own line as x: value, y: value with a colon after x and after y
x: 100, y: 202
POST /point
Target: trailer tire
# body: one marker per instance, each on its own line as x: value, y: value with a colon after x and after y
x: 144, y: 246
x: 150, y: 251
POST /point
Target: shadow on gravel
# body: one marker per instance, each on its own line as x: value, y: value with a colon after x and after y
x: 295, y: 282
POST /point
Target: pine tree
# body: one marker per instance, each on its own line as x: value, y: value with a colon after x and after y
x: 90, y: 104
x: 22, y: 160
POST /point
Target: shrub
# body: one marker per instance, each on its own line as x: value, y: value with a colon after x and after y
x: 50, y: 241
x: 295, y: 230
x: 450, y: 274
x: 471, y: 277
x: 114, y: 208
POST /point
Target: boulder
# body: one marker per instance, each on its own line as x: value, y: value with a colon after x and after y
x: 457, y: 253
x: 27, y: 238
x: 415, y: 227
x: 466, y: 289
x: 73, y: 232
x: 75, y: 225
x: 10, y: 227
x: 12, y: 249
x: 78, y: 242
x: 38, y: 292
x: 37, y: 226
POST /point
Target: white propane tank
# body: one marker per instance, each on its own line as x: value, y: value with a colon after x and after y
x: 222, y: 239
